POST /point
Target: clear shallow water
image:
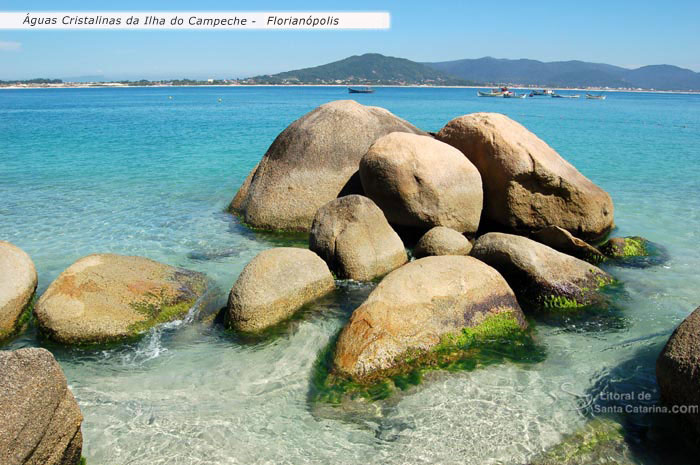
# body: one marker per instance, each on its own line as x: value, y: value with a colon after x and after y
x: 131, y: 171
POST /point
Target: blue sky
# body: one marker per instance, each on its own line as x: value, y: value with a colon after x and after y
x: 624, y: 33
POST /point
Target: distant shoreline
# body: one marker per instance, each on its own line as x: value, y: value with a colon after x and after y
x: 412, y: 86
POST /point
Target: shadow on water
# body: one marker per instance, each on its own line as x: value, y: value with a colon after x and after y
x: 273, y: 238
x: 629, y: 391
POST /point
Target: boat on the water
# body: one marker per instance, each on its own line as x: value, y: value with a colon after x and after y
x: 565, y: 96
x: 360, y: 90
x: 512, y: 95
x: 595, y: 97
x: 536, y: 93
x: 500, y: 92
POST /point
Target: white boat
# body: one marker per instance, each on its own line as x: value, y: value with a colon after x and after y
x: 565, y: 96
x: 595, y: 97
x: 501, y: 92
x: 512, y: 95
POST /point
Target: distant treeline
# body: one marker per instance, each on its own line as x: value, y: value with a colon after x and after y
x: 33, y: 81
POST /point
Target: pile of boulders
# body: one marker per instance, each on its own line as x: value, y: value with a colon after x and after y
x: 503, y: 221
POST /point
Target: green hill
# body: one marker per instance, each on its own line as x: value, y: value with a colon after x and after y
x: 368, y: 69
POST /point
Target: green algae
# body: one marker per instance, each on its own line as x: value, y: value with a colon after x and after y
x: 601, y: 440
x: 561, y: 302
x: 22, y: 322
x: 497, y: 339
x: 159, y: 313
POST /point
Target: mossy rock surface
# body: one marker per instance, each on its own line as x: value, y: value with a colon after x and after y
x: 499, y: 338
x: 634, y: 252
x: 440, y: 312
x: 600, y: 442
x: 107, y: 297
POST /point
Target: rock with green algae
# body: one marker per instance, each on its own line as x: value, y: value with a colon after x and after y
x: 540, y: 275
x: 17, y: 286
x: 442, y: 312
x: 624, y: 247
x: 600, y: 442
x: 107, y: 297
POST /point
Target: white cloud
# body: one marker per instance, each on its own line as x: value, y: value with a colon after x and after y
x: 10, y: 46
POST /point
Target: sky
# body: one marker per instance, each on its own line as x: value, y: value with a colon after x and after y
x: 623, y: 33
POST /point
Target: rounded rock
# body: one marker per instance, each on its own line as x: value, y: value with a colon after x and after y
x: 41, y: 421
x: 311, y: 162
x: 415, y: 307
x: 539, y: 274
x: 109, y: 297
x: 527, y: 184
x: 17, y: 287
x: 354, y: 238
x: 420, y: 182
x: 274, y: 285
x: 442, y: 241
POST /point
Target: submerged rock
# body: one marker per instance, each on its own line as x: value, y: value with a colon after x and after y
x: 40, y: 417
x: 539, y: 274
x: 562, y: 240
x: 624, y: 247
x: 442, y: 241
x: 311, y: 162
x: 422, y: 311
x: 420, y: 182
x: 527, y: 185
x: 352, y: 235
x: 274, y: 285
x: 17, y: 286
x: 678, y: 372
x: 108, y: 297
x: 600, y: 441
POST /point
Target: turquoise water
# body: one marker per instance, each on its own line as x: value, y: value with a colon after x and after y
x: 132, y: 171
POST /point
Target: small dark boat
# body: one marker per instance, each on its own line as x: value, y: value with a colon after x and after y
x: 360, y: 90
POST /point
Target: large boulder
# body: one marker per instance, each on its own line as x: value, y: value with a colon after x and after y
x: 678, y: 372
x: 40, y: 418
x: 420, y: 182
x: 17, y: 287
x: 420, y: 306
x: 274, y: 285
x: 352, y: 235
x: 311, y: 162
x: 540, y: 275
x: 562, y: 240
x: 442, y: 241
x: 108, y: 297
x: 527, y: 185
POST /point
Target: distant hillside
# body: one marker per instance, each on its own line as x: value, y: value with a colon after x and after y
x: 569, y: 74
x: 370, y: 69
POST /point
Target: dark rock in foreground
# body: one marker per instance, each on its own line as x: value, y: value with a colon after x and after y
x: 274, y: 285
x: 442, y: 241
x: 40, y: 418
x: 539, y: 274
x: 352, y: 235
x: 527, y: 185
x: 678, y: 372
x: 311, y: 162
